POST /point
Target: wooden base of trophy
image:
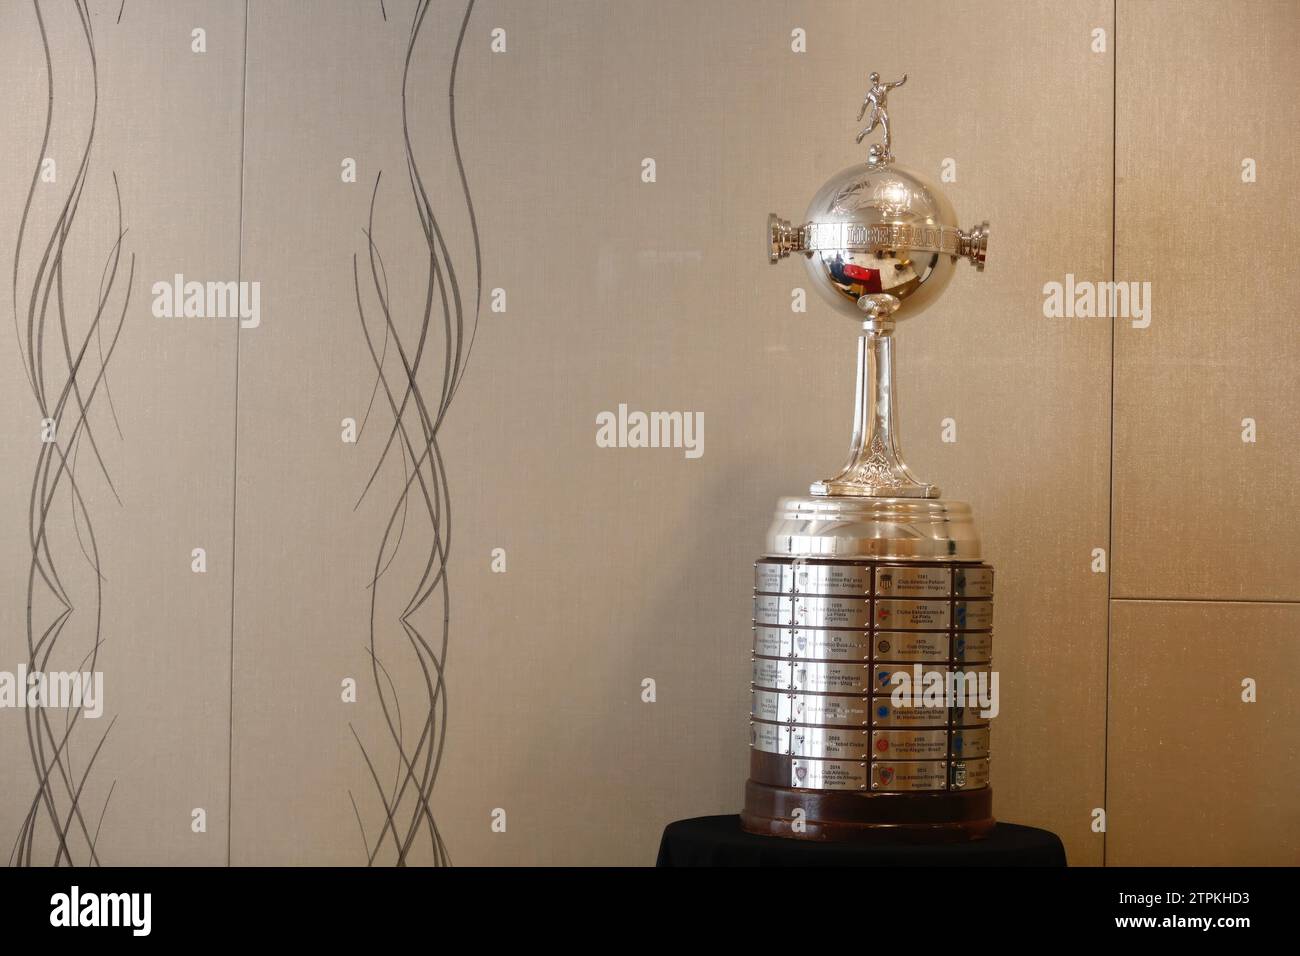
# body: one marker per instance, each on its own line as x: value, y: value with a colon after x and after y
x: 846, y: 817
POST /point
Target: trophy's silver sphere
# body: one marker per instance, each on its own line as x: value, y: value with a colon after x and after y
x: 910, y: 218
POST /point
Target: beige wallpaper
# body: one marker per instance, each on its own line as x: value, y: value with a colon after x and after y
x: 432, y: 648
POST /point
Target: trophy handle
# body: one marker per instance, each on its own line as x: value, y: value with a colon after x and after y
x: 974, y: 245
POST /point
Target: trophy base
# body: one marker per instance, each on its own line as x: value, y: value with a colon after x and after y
x: 872, y: 686
x: 831, y: 817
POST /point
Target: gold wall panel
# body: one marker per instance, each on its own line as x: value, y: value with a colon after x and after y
x: 1199, y: 513
x: 1197, y: 776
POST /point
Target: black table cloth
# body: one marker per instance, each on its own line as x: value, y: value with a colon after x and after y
x: 719, y: 841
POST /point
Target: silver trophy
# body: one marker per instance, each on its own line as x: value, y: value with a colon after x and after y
x: 872, y: 573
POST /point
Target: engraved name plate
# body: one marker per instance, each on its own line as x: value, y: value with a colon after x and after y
x: 968, y: 717
x: 814, y: 644
x: 882, y: 681
x: 773, y: 642
x: 831, y: 677
x: 772, y: 577
x: 768, y: 705
x: 769, y: 673
x: 911, y: 615
x: 773, y: 609
x: 907, y: 646
x: 885, y: 714
x: 969, y: 774
x: 769, y: 738
x: 828, y: 774
x: 970, y: 743
x: 833, y: 742
x: 832, y: 579
x: 910, y: 744
x: 902, y: 775
x: 913, y: 582
x: 832, y: 612
x: 818, y: 709
x: 973, y: 646
x: 967, y: 681
x: 973, y: 582
x: 974, y: 615
x: 808, y: 708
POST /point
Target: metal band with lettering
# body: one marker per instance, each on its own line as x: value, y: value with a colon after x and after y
x: 881, y: 237
x: 903, y: 775
x: 908, y: 615
x: 829, y: 743
x: 831, y: 677
x: 974, y: 615
x: 969, y: 774
x: 970, y: 743
x: 920, y: 582
x: 973, y: 582
x: 904, y: 647
x: 828, y: 774
x: 909, y: 744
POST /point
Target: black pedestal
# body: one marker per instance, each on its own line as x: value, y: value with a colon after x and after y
x: 719, y: 841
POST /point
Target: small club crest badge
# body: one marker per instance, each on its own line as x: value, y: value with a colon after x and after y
x: 886, y: 775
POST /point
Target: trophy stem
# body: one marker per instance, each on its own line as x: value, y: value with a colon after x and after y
x: 875, y: 468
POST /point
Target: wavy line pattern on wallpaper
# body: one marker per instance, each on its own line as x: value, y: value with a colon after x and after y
x: 421, y: 511
x: 66, y: 367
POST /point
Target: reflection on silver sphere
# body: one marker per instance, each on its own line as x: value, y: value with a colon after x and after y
x: 909, y: 227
